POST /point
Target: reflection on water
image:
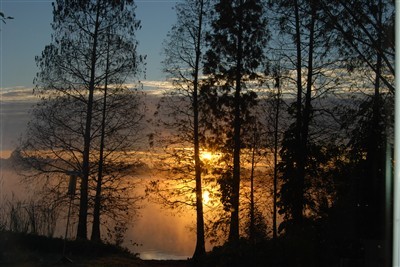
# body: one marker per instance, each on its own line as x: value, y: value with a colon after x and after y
x: 162, y: 233
x: 160, y: 255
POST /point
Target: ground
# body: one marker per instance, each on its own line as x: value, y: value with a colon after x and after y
x: 25, y: 250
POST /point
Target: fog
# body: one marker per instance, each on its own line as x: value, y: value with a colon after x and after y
x: 14, y: 117
x: 156, y: 233
x: 159, y: 233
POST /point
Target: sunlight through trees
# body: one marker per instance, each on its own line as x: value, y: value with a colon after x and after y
x: 274, y: 137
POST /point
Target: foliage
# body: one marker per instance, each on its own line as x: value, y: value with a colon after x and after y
x: 258, y: 230
x: 235, y: 56
x: 322, y: 74
x: 369, y: 48
x: 4, y: 18
x: 307, y: 144
x: 35, y: 216
x: 83, y: 76
x: 364, y: 31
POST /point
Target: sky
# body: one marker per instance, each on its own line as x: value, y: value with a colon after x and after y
x: 25, y: 36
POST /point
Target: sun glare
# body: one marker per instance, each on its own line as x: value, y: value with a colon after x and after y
x: 207, y: 155
x: 206, y: 197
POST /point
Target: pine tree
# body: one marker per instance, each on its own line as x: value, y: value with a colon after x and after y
x: 236, y: 54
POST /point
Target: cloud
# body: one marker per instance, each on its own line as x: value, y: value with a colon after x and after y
x: 17, y: 93
x: 22, y: 93
x: 156, y: 87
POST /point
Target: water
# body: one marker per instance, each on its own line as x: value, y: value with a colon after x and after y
x: 161, y: 255
x: 160, y: 233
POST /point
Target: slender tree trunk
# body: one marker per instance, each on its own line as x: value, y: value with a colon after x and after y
x: 306, y: 113
x: 276, y: 131
x: 200, y: 251
x: 83, y: 204
x: 97, y: 201
x: 234, y: 223
x: 303, y: 116
x: 297, y: 212
x: 375, y: 153
x: 252, y: 205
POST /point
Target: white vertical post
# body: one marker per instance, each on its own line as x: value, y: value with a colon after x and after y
x: 396, y: 192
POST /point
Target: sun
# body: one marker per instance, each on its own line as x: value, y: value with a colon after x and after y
x: 205, y: 155
x: 206, y: 197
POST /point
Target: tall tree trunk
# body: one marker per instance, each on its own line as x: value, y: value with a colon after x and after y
x: 297, y: 212
x: 200, y: 250
x: 234, y: 223
x: 252, y: 204
x: 303, y: 126
x: 83, y: 204
x: 276, y: 131
x: 97, y: 200
x: 375, y: 153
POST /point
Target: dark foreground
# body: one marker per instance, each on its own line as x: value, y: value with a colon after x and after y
x: 25, y: 250
x: 18, y: 249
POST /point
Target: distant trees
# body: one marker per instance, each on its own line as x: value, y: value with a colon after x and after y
x: 82, y: 81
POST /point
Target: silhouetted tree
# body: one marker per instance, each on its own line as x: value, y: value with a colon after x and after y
x: 237, y: 41
x: 53, y: 147
x: 304, y: 147
x: 273, y: 108
x: 74, y: 63
x: 183, y: 52
x: 365, y: 31
x: 3, y: 17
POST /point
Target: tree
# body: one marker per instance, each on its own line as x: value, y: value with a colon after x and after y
x: 74, y: 64
x: 3, y: 17
x: 365, y: 31
x: 272, y: 108
x: 118, y: 51
x: 119, y: 135
x: 256, y: 228
x: 53, y: 147
x: 306, y: 143
x: 237, y: 40
x: 183, y: 52
x: 368, y: 44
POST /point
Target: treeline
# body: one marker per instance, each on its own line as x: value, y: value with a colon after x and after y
x: 295, y: 101
x: 281, y: 117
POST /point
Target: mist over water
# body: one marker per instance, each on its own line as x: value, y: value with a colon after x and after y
x: 13, y: 120
x: 162, y: 235
x: 156, y: 233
